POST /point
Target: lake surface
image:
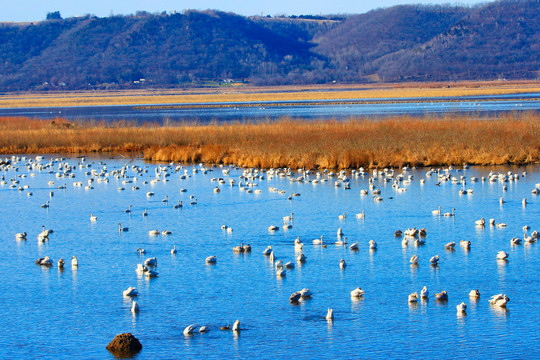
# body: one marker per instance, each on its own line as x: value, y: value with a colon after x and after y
x: 74, y: 313
x: 273, y: 110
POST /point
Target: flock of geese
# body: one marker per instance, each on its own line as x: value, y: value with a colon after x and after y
x: 248, y: 182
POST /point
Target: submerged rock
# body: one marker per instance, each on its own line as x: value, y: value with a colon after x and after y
x: 124, y: 344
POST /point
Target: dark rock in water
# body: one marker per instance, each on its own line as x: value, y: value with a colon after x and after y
x: 124, y: 344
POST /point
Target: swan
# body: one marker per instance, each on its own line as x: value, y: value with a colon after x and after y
x: 122, y: 229
x: 189, y: 330
x: 46, y: 205
x: 61, y: 263
x: 301, y: 258
x: 480, y: 222
x: 173, y: 251
x: 354, y: 246
x: 281, y: 272
x: 342, y: 264
x: 150, y: 272
x: 318, y: 241
x: 492, y: 222
x: 150, y: 262
x: 450, y: 245
x: 279, y: 264
x: 413, y: 298
x: 179, y: 205
x: 128, y: 210
x: 424, y: 294
x: 286, y: 226
x: 289, y: 265
x: 372, y: 244
x: 236, y: 326
x: 442, y: 296
x: 204, y: 329
x: 288, y: 218
x: 419, y: 242
x: 295, y: 297
x: 437, y: 211
x: 342, y: 216
x: 74, y: 262
x: 153, y: 232
x: 422, y: 232
x: 501, y: 225
x: 341, y: 242
x: 329, y: 315
x: 405, y: 242
x: 306, y: 293
x: 414, y: 260
x: 141, y: 251
x: 339, y: 232
x: 130, y: 291
x: 448, y: 214
x: 45, y: 261
x: 149, y: 194
x: 211, y: 260
x: 93, y: 217
x: 434, y: 260
x: 229, y: 229
x: 247, y: 248
x: 134, y: 307
x: 356, y: 293
x: 501, y: 255
x: 524, y: 202
x: 21, y: 236
x: 465, y: 244
x: 267, y: 251
x: 501, y: 201
x: 499, y: 300
x: 273, y: 228
x: 461, y: 308
x: 298, y: 245
x: 145, y: 212
x: 474, y: 294
x: 361, y: 215
x: 239, y: 248
x: 515, y: 241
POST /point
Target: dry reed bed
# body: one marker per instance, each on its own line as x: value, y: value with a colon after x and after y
x: 506, y: 139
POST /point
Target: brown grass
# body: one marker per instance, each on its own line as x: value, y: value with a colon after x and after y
x: 279, y: 93
x: 505, y: 139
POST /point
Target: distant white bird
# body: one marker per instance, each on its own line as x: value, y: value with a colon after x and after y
x: 437, y: 211
x: 301, y: 258
x: 318, y: 241
x: 354, y: 246
x: 372, y: 244
x: 189, y: 330
x: 342, y: 264
x: 74, y: 262
x: 173, y: 251
x: 466, y: 244
x: 361, y: 215
x: 424, y: 294
x: 499, y: 300
x: 501, y: 255
x: 480, y: 222
x: 414, y: 260
x: 342, y: 216
x: 450, y: 245
x: 474, y: 294
x: 461, y: 308
x: 358, y: 292
x: 413, y: 298
x: 236, y: 326
x: 211, y: 260
x: 93, y: 217
x: 330, y: 315
x: 134, y: 307
x: 448, y: 214
x: 130, y: 291
x: 442, y: 296
x: 434, y: 260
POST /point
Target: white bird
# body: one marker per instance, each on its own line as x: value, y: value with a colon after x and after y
x: 424, y: 294
x: 298, y: 245
x: 295, y: 297
x: 413, y: 298
x: 20, y: 236
x: 342, y: 216
x: 461, y: 308
x: 130, y: 291
x: 358, y: 292
x: 211, y: 260
x: 150, y: 262
x: 93, y: 217
x: 306, y: 293
x: 450, y: 245
x: 501, y: 255
x: 173, y: 251
x: 480, y: 222
x: 134, y: 307
x: 372, y: 244
x: 301, y: 258
x: 74, y: 262
x: 515, y: 241
x: 442, y: 296
x: 501, y: 225
x: 267, y: 251
x: 354, y: 246
x: 448, y: 214
x: 361, y: 215
x: 465, y: 244
x: 236, y: 326
x: 436, y: 212
x: 501, y: 201
x: 273, y: 228
x: 153, y: 232
x: 474, y: 294
x: 499, y: 300
x: 204, y: 329
x: 434, y: 260
x: 189, y: 330
x: 45, y: 261
x: 342, y: 264
x: 414, y: 260
x: 318, y: 241
x: 339, y: 232
x: 330, y: 315
x: 122, y: 229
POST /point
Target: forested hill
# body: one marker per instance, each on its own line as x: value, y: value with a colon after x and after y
x: 410, y: 42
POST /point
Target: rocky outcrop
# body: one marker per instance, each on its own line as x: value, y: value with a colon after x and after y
x: 125, y: 344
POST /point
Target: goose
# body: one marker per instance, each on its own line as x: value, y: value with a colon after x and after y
x: 93, y: 217
x: 361, y: 215
x: 356, y: 293
x: 306, y: 293
x: 295, y: 297
x: 437, y: 211
x: 501, y: 255
x: 461, y: 308
x: 466, y: 244
x: 329, y: 315
x: 74, y: 262
x: 372, y: 245
x: 45, y: 261
x: 424, y: 294
x: 499, y: 300
x: 342, y: 264
x: 189, y: 330
x: 354, y: 246
x: 413, y: 298
x: 480, y: 222
x: 130, y: 291
x: 342, y: 216
x: 211, y: 260
x: 173, y: 251
x: 450, y: 245
x: 61, y: 263
x: 474, y: 294
x: 20, y: 236
x: 134, y: 307
x: 448, y: 214
x: 267, y: 251
x: 153, y: 232
x: 414, y: 260
x: 434, y: 260
x: 236, y: 326
x: 301, y: 258
x: 318, y: 241
x: 166, y: 232
x: 122, y: 229
x: 442, y: 296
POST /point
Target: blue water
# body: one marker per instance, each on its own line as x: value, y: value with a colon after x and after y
x: 163, y: 114
x: 74, y: 314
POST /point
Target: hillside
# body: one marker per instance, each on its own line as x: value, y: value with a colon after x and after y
x: 410, y: 42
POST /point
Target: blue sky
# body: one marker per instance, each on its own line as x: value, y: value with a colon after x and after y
x: 34, y: 10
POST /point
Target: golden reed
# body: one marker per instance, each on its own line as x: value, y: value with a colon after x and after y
x: 426, y: 141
